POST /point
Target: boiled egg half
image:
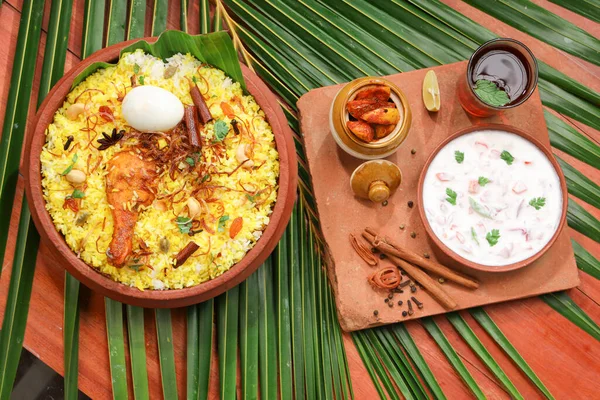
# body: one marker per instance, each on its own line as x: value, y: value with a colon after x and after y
x: 150, y: 108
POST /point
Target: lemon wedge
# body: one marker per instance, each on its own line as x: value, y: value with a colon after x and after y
x: 431, y: 92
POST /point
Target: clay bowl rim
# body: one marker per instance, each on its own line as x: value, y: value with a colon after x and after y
x: 456, y: 257
x: 173, y: 297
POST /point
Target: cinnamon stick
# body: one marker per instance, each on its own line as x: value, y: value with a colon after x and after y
x: 185, y: 253
x: 203, y: 111
x: 434, y: 289
x: 191, y: 122
x: 426, y: 264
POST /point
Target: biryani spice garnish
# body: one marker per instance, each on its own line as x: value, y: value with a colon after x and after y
x: 185, y: 253
x: 110, y: 140
x: 385, y: 278
x: 363, y: 251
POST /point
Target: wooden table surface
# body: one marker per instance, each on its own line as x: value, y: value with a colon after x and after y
x: 564, y: 357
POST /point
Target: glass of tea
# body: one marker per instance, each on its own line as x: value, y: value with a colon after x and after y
x: 501, y: 74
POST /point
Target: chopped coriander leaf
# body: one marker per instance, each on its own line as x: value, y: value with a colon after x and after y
x: 184, y: 224
x: 205, y: 178
x: 221, y: 129
x: 141, y: 79
x: 251, y: 198
x: 222, y: 221
x: 70, y: 167
x: 459, y: 156
x: 190, y: 161
x: 474, y: 236
x: 506, y: 156
x: 135, y: 267
x: 492, y: 237
x: 136, y: 69
x: 483, y: 181
x: 194, y: 79
x: 537, y: 202
x: 451, y: 196
x: 77, y: 194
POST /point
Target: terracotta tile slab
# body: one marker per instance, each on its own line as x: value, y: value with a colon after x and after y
x: 341, y: 214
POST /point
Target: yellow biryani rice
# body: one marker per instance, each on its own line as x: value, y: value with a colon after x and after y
x: 88, y: 232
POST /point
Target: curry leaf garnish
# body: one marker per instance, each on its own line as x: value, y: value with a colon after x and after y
x: 537, y: 202
x: 221, y: 129
x: 474, y: 236
x: 451, y: 196
x: 483, y: 181
x: 459, y: 156
x: 252, y: 198
x: 184, y: 224
x: 490, y: 93
x: 479, y: 209
x: 141, y: 79
x: 190, y: 161
x: 222, y: 221
x: 506, y: 156
x: 492, y: 237
x: 70, y: 167
x: 136, y: 69
x: 205, y: 178
x: 77, y: 194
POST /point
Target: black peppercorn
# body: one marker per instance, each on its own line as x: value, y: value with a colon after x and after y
x: 386, y: 300
x: 413, y: 289
x: 402, y: 226
x: 441, y: 280
x: 390, y: 304
x: 426, y: 255
x: 413, y: 151
x: 413, y: 234
x: 381, y: 256
x: 385, y: 203
x: 374, y: 250
x: 399, y: 302
x: 404, y: 313
x: 375, y: 312
x: 410, y: 204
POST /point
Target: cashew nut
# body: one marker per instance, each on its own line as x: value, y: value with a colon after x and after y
x: 74, y: 110
x: 76, y: 176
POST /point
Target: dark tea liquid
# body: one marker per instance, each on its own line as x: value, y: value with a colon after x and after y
x: 505, y: 69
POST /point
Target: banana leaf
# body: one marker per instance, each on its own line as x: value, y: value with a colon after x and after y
x: 543, y: 25
x: 215, y: 49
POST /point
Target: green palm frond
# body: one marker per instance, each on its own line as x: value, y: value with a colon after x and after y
x: 137, y: 351
x: 588, y: 9
x: 585, y: 261
x: 117, y: 21
x: 248, y: 336
x: 166, y: 354
x: 583, y: 221
x: 116, y: 347
x: 159, y: 16
x: 543, y: 25
x: 17, y: 107
x: 137, y: 19
x: 580, y: 185
x: 563, y: 303
x: 227, y: 333
x: 478, y: 348
x: 492, y: 329
x: 453, y: 358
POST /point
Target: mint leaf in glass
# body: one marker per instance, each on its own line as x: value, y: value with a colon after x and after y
x: 490, y: 93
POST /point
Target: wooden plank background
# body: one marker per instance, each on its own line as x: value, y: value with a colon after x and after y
x: 564, y: 357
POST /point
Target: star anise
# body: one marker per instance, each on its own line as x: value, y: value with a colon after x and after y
x: 111, y: 140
